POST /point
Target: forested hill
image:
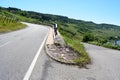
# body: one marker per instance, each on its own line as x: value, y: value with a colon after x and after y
x: 71, y: 27
x: 54, y: 18
x: 73, y: 31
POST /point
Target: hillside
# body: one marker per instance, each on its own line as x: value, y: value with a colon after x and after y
x: 71, y: 28
x: 79, y: 25
x: 73, y: 31
x: 8, y: 22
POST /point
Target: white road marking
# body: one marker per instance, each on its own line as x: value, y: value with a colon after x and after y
x: 5, y: 44
x: 29, y: 72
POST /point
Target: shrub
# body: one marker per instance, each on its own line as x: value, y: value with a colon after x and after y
x: 88, y: 37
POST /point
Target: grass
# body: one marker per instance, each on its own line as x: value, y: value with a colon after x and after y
x: 73, y: 39
x: 11, y: 27
x: 79, y: 48
x: 9, y: 22
x: 112, y: 46
x: 107, y: 45
x: 73, y: 34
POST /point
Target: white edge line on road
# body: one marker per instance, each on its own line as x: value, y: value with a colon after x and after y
x: 5, y: 44
x: 28, y: 73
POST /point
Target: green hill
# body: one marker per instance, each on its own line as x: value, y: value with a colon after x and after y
x: 9, y: 22
x: 69, y: 25
x: 74, y: 31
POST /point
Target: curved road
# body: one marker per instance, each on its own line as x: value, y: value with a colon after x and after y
x: 17, y: 51
x: 105, y: 66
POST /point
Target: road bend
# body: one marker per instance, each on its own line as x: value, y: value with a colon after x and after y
x: 18, y: 49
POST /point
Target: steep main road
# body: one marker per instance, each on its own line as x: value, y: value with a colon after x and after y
x: 19, y: 51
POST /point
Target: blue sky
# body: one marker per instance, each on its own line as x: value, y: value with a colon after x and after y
x: 99, y: 11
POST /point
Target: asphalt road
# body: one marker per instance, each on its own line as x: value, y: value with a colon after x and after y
x: 105, y: 66
x: 17, y: 51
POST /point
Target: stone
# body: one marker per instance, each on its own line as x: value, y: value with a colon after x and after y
x: 67, y: 49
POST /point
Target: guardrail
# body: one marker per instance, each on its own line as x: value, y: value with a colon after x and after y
x: 54, y: 30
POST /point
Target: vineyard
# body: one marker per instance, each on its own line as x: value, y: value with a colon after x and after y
x: 9, y: 22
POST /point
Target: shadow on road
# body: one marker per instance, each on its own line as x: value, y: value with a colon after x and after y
x: 47, y: 65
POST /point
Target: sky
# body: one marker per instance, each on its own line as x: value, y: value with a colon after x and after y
x: 98, y: 11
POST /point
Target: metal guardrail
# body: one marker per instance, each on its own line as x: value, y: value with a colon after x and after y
x: 55, y: 30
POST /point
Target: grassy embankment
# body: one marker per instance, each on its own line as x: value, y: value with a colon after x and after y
x: 73, y: 40
x: 104, y: 37
x: 98, y: 34
x: 107, y: 45
x: 9, y: 23
x: 11, y: 27
x: 74, y: 31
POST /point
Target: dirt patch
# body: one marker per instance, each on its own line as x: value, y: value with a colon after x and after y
x: 59, y: 50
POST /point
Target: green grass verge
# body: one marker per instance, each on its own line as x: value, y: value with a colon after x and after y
x: 11, y: 27
x: 79, y: 48
x: 107, y: 45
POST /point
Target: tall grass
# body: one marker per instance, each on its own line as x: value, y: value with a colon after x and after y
x: 7, y: 20
x: 8, y: 24
x: 107, y: 45
x: 77, y: 46
x: 73, y: 40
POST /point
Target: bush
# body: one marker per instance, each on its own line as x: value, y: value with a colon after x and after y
x: 88, y: 37
x: 110, y: 45
x: 79, y: 48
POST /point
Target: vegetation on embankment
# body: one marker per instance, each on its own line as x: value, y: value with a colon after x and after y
x: 11, y: 27
x: 78, y: 47
x: 108, y: 42
x: 8, y: 22
x: 73, y: 40
x: 74, y: 31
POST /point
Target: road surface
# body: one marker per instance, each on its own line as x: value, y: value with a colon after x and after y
x: 105, y: 66
x: 17, y: 51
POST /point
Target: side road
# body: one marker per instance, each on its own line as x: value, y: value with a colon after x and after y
x: 105, y: 62
x: 105, y: 66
